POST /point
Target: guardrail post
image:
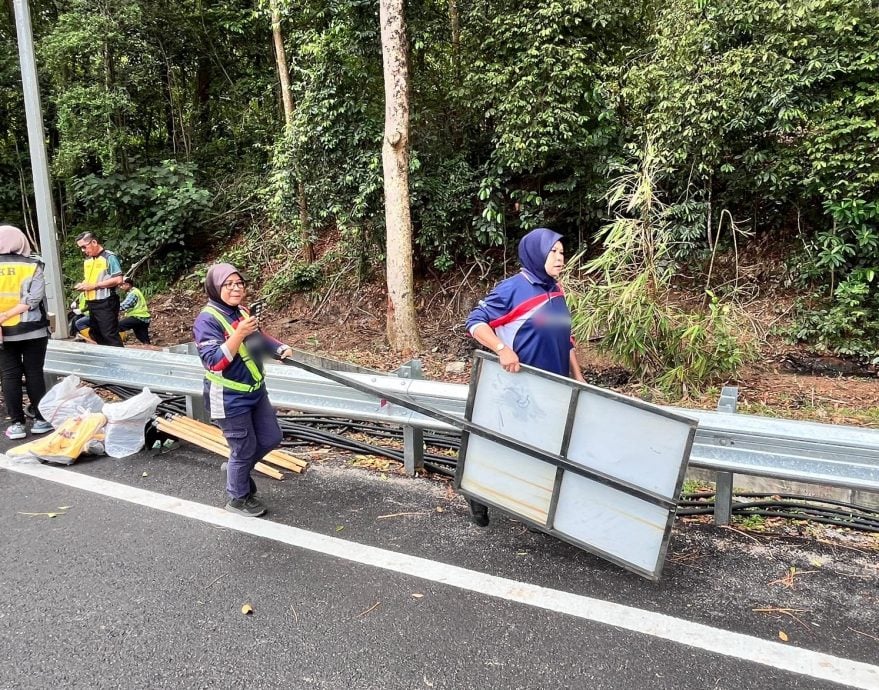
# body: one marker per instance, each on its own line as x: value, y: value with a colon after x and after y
x: 51, y: 379
x: 723, y: 488
x: 410, y: 370
x: 413, y: 437
x: 723, y: 498
x: 195, y: 408
x: 413, y: 449
x: 729, y: 399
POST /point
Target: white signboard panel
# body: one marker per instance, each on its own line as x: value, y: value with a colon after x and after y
x: 530, y: 409
x: 623, y: 527
x: 509, y: 479
x: 600, y: 470
x: 628, y: 442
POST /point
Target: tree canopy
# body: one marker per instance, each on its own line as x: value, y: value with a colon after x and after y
x: 167, y: 132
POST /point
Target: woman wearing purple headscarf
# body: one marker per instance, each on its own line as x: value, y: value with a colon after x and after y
x: 231, y: 348
x: 525, y: 319
x: 25, y: 328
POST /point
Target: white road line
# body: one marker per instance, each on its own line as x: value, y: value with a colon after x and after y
x: 786, y: 658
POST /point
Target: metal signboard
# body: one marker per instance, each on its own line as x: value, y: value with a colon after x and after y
x: 592, y: 467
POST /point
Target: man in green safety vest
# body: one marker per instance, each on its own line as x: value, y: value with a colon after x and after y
x: 136, y: 313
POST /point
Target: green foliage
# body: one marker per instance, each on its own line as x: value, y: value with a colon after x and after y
x: 282, y: 192
x: 156, y: 210
x: 536, y: 81
x: 770, y: 109
x: 847, y: 325
x: 295, y: 276
x: 444, y: 234
x: 13, y: 151
x: 755, y: 523
x: 628, y: 302
x: 520, y: 114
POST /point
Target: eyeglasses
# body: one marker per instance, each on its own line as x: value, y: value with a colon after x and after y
x: 234, y: 285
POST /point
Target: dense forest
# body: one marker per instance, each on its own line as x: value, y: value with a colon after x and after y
x: 654, y: 135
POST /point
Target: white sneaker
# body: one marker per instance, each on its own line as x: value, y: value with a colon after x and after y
x: 41, y: 426
x: 16, y: 431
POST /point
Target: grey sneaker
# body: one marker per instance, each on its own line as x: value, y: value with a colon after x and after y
x: 249, y: 507
x: 15, y: 431
x: 41, y: 426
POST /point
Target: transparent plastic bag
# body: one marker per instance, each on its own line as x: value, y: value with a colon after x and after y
x: 124, y: 434
x: 68, y: 399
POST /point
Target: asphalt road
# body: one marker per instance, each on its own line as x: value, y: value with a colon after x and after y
x: 111, y: 593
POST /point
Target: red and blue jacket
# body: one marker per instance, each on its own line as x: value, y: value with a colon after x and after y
x: 210, y: 338
x: 531, y: 319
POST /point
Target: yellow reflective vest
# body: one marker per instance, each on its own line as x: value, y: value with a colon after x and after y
x: 16, y: 275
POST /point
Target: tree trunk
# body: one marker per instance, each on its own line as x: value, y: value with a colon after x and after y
x: 455, y: 27
x: 287, y: 99
x: 281, y: 60
x: 203, y: 78
x: 456, y: 130
x: 402, y: 328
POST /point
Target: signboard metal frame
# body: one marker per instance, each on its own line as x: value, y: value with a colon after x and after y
x: 563, y: 464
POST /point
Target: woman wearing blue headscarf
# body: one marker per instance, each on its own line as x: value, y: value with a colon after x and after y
x: 525, y: 319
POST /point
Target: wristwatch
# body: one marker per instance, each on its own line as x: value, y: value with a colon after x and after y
x: 500, y: 346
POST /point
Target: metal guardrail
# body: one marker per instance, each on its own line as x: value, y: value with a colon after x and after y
x: 726, y: 443
x: 288, y: 387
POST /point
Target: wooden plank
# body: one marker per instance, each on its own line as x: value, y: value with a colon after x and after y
x: 186, y: 434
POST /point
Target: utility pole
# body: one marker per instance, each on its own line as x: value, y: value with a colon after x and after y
x: 40, y: 168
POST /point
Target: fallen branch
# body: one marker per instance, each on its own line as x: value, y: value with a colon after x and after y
x: 786, y: 612
x: 788, y: 580
x: 744, y: 534
x: 858, y: 632
x: 371, y: 608
x: 393, y: 515
x: 215, y: 581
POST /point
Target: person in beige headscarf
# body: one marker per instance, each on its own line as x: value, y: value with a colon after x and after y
x: 24, y: 324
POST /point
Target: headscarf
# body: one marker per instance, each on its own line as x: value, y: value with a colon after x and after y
x: 533, y: 250
x: 216, y: 276
x: 13, y: 241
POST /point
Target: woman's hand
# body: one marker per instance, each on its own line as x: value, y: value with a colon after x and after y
x: 509, y: 359
x: 247, y: 326
x: 243, y: 328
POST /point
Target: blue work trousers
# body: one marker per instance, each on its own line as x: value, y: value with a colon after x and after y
x: 250, y: 436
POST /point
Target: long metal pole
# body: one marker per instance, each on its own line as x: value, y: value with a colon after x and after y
x: 40, y: 168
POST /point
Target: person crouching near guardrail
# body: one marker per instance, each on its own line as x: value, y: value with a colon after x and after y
x: 231, y: 347
x: 137, y: 313
x: 24, y: 324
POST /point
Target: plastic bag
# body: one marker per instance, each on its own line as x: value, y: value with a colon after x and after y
x: 66, y: 443
x: 126, y: 420
x: 68, y: 399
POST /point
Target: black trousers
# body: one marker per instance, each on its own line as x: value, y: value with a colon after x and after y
x: 141, y: 328
x: 104, y: 314
x: 26, y: 357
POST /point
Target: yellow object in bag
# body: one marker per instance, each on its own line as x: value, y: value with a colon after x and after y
x: 66, y: 444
